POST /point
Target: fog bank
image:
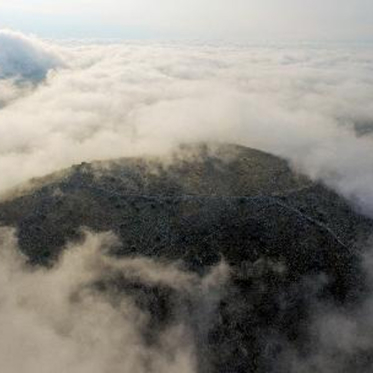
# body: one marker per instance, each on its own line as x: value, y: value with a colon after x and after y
x: 311, y: 104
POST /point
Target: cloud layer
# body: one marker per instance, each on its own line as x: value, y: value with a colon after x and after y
x: 80, y: 101
x: 25, y: 57
x: 62, y: 319
x: 24, y: 62
x: 303, y: 102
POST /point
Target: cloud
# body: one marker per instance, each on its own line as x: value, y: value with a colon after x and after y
x: 62, y: 319
x: 302, y: 102
x: 306, y: 103
x: 24, y: 62
x: 340, y: 339
x: 25, y: 57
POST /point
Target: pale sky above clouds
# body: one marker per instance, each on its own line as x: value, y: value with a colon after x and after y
x: 239, y: 20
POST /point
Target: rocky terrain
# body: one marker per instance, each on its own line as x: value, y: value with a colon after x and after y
x: 289, y: 242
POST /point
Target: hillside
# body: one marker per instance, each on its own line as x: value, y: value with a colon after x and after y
x: 277, y: 230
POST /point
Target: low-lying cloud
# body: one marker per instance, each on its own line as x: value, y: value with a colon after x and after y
x: 24, y: 62
x: 311, y: 104
x: 302, y: 102
x: 340, y: 339
x: 63, y: 319
x: 25, y: 57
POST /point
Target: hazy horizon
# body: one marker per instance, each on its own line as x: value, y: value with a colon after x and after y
x: 205, y: 20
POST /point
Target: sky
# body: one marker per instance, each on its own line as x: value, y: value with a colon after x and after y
x: 232, y: 20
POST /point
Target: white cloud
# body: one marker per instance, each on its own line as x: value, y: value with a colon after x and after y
x: 297, y: 101
x: 302, y: 102
x: 25, y: 57
x: 57, y: 320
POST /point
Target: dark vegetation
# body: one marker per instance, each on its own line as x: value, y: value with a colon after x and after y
x: 290, y: 242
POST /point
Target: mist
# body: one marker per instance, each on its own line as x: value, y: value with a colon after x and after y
x: 62, y: 319
x: 63, y: 103
x: 302, y: 102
